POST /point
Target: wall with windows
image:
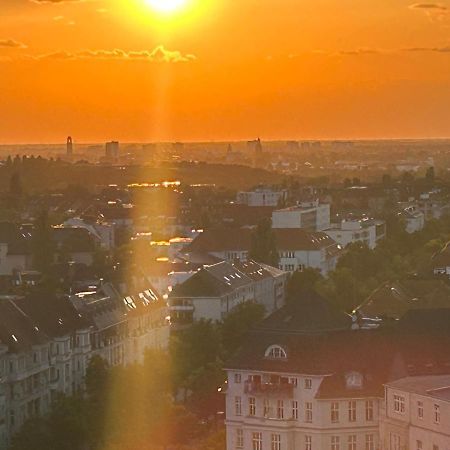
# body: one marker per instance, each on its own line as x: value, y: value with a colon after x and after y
x: 281, y: 411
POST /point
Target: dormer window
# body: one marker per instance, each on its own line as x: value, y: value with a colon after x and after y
x: 354, y: 380
x: 275, y: 352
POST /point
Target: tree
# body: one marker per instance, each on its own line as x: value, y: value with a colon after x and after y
x: 386, y: 180
x: 194, y: 347
x: 237, y: 324
x: 299, y: 282
x: 43, y: 247
x: 263, y: 245
x: 430, y: 175
x: 15, y: 185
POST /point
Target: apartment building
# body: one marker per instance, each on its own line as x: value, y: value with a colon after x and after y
x: 46, y: 343
x: 261, y: 197
x: 297, y: 247
x: 312, y: 216
x: 416, y: 414
x: 215, y: 290
x: 303, y: 381
x: 349, y: 231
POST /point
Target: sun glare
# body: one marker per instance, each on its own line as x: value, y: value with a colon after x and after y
x: 166, y: 6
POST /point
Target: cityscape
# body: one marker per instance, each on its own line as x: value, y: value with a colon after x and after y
x: 242, y: 244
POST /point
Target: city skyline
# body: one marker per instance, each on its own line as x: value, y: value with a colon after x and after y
x: 215, y: 70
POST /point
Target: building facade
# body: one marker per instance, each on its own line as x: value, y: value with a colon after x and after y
x: 311, y: 216
x: 416, y: 414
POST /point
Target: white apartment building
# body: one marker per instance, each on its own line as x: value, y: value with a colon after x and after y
x: 312, y: 216
x: 302, y: 382
x: 416, y: 414
x: 214, y: 291
x: 297, y: 247
x: 414, y: 219
x: 365, y: 230
x: 261, y: 197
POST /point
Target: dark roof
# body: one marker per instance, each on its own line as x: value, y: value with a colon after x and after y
x: 225, y: 239
x: 73, y: 239
x: 218, y: 279
x: 442, y: 258
x: 377, y: 356
x: 310, y: 313
x: 394, y: 299
x: 212, y: 281
x: 18, y: 239
x: 34, y: 319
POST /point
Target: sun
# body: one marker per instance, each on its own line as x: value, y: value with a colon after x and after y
x: 166, y: 6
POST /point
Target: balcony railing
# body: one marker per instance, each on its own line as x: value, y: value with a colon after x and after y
x: 283, y: 389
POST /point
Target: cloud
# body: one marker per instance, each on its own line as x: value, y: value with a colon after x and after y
x: 434, y: 11
x: 158, y: 55
x: 11, y: 43
x: 429, y: 6
x: 445, y: 49
x: 362, y: 51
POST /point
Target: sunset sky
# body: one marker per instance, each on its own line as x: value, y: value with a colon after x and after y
x: 223, y: 70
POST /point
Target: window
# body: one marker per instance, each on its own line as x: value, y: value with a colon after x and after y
x: 239, y: 438
x: 237, y: 378
x: 293, y: 381
x: 237, y: 406
x: 308, y: 412
x: 308, y: 383
x: 335, y: 443
x: 395, y: 441
x: 256, y: 441
x: 437, y: 414
x: 275, y: 352
x: 369, y: 410
x: 420, y: 410
x: 266, y: 408
x: 295, y: 409
x: 352, y: 411
x: 308, y: 443
x: 399, y: 404
x: 419, y: 445
x: 276, y: 442
x: 352, y: 442
x: 251, y: 406
x: 280, y: 409
x: 369, y: 442
x: 334, y: 412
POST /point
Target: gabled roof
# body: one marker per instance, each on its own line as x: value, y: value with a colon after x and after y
x: 310, y: 313
x: 394, y: 299
x: 377, y: 356
x: 212, y: 281
x: 239, y: 239
x: 35, y: 319
x: 442, y: 258
x: 18, y: 240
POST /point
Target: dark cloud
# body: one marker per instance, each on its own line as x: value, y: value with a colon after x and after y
x: 445, y: 49
x: 429, y: 6
x: 11, y: 43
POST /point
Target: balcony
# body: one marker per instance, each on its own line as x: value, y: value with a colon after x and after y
x: 278, y: 389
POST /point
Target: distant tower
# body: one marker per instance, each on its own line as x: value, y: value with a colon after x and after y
x: 112, y: 150
x: 69, y: 146
x: 258, y: 147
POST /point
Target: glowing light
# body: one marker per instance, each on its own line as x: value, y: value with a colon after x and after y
x: 166, y: 6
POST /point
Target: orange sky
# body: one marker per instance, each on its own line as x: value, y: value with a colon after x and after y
x: 223, y: 70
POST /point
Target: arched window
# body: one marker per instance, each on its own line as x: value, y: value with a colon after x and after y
x: 354, y: 380
x: 275, y: 352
